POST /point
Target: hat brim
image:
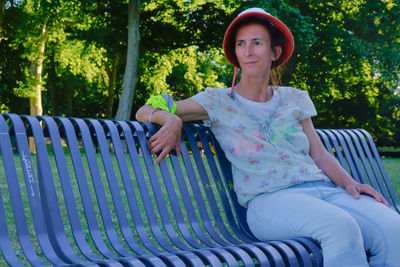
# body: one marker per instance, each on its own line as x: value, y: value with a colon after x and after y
x: 287, y: 48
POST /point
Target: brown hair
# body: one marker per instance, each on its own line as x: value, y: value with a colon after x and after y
x: 275, y: 76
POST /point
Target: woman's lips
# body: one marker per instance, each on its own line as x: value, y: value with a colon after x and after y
x: 251, y: 63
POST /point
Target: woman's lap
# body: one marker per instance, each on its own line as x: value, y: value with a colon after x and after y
x: 330, y: 215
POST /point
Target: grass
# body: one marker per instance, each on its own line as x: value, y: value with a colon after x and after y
x: 392, y: 168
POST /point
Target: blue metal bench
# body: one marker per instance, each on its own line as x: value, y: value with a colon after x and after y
x: 91, y: 196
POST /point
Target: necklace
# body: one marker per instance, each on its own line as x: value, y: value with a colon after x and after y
x: 264, y: 125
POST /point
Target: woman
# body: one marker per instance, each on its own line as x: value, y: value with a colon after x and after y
x: 282, y: 173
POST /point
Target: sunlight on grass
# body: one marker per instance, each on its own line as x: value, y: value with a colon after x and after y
x: 392, y: 168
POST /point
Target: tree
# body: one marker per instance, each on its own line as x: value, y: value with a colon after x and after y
x: 102, y: 45
x: 346, y: 55
x: 43, y: 21
x: 132, y: 61
x: 50, y: 36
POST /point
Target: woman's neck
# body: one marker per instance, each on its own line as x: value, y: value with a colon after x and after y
x: 256, y: 90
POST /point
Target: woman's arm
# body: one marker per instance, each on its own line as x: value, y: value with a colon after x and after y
x: 169, y: 134
x: 331, y: 167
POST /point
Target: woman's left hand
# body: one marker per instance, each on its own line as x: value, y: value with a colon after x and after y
x: 331, y: 167
x: 355, y: 189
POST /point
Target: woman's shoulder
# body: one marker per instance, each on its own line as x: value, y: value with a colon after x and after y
x: 217, y: 93
x: 289, y: 90
x: 216, y: 89
x: 212, y: 96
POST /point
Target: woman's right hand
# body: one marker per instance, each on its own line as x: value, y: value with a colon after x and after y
x: 169, y: 135
x: 167, y: 138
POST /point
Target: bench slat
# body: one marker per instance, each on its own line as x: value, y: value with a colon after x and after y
x: 16, y: 203
x: 34, y: 202
x: 68, y: 194
x: 80, y: 175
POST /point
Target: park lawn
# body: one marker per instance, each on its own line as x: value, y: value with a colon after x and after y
x: 392, y: 167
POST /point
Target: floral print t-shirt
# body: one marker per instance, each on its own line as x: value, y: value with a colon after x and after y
x: 266, y: 155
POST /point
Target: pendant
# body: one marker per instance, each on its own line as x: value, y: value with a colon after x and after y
x: 265, y: 131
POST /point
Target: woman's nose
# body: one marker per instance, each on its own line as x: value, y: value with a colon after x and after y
x: 248, y: 50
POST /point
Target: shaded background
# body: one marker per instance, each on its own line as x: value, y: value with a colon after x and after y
x: 69, y: 57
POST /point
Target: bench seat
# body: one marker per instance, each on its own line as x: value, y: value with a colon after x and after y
x: 90, y: 195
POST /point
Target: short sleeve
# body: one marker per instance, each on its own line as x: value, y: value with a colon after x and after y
x: 306, y: 106
x: 209, y: 100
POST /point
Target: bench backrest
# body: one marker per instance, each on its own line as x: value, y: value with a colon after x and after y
x: 354, y: 149
x: 357, y: 153
x: 91, y: 189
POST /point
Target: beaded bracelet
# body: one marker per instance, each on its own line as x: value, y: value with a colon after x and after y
x: 151, y: 114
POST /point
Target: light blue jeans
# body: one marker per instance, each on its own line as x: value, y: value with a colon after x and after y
x: 345, y: 227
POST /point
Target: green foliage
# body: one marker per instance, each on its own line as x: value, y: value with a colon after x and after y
x: 83, y: 59
x: 182, y: 72
x: 172, y: 24
x: 27, y: 88
x: 74, y: 47
x: 182, y: 48
x: 353, y: 69
x: 347, y: 55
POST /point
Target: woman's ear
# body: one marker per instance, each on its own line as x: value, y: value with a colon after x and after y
x: 276, y: 52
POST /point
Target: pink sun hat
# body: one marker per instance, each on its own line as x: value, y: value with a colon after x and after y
x: 229, y: 47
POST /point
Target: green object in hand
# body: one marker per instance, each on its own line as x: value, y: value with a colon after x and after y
x: 164, y: 102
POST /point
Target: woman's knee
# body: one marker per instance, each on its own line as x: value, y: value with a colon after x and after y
x: 342, y: 243
x: 386, y: 242
x: 384, y: 226
x: 391, y: 231
x: 343, y: 230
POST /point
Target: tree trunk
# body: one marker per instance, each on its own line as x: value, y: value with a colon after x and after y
x: 112, y: 76
x: 36, y: 100
x: 132, y: 60
x: 36, y: 69
x: 52, y: 87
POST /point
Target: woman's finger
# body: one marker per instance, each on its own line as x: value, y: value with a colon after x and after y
x: 162, y: 155
x: 379, y: 197
x: 157, y: 148
x: 178, y: 145
x: 385, y: 202
x: 366, y: 189
x: 155, y: 142
x: 178, y: 149
x: 352, y: 190
x: 154, y: 137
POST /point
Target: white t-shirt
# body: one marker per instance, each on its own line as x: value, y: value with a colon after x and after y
x: 259, y: 109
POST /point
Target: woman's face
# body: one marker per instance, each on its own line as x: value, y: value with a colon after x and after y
x: 253, y: 50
